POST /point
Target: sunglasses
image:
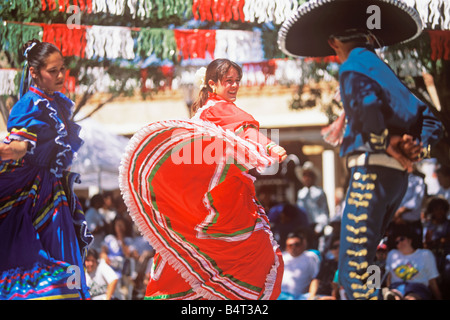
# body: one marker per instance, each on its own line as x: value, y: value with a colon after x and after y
x: 295, y: 244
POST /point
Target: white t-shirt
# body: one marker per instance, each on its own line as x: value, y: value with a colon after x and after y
x: 98, y: 280
x: 299, y: 272
x: 418, y: 267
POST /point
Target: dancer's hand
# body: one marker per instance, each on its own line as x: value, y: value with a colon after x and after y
x: 410, y: 148
x: 395, y: 150
x: 15, y: 150
x: 278, y: 152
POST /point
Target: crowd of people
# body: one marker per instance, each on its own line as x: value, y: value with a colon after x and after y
x: 412, y: 260
x: 119, y: 259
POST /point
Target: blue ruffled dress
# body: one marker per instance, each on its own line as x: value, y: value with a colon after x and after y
x: 43, y: 233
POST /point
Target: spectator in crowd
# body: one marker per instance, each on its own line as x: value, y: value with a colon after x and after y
x: 286, y: 218
x: 338, y: 291
x: 408, y: 215
x: 101, y: 278
x: 121, y: 210
x: 143, y: 270
x: 313, y: 200
x: 380, y: 260
x: 116, y: 251
x: 437, y: 226
x: 437, y: 238
x: 321, y: 287
x: 300, y: 268
x: 443, y: 176
x: 108, y: 210
x: 95, y: 221
x: 412, y: 272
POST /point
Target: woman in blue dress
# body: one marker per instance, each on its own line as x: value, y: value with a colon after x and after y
x: 43, y: 233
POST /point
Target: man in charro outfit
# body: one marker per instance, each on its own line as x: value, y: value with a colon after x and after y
x: 387, y: 127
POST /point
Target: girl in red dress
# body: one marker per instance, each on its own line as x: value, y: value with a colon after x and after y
x: 211, y: 235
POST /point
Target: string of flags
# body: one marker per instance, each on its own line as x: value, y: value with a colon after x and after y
x: 112, y: 42
x: 180, y: 46
x: 434, y: 13
x: 258, y: 11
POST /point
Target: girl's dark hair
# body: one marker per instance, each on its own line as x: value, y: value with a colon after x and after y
x: 215, y: 71
x: 35, y: 52
x: 37, y: 55
x: 92, y: 252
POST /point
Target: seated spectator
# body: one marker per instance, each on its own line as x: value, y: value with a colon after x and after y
x: 338, y: 292
x: 437, y: 227
x: 321, y: 287
x: 108, y: 210
x: 95, y: 221
x: 443, y: 176
x: 437, y: 238
x: 313, y: 200
x: 412, y: 272
x: 408, y: 215
x: 300, y: 268
x: 286, y: 218
x: 380, y: 261
x: 101, y: 278
x: 116, y: 251
x: 143, y: 270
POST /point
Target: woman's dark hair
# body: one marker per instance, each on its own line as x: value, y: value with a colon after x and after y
x: 215, y: 71
x: 407, y: 232
x: 36, y: 52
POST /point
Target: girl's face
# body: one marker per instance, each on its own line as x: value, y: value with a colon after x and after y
x: 91, y: 264
x: 51, y: 76
x: 228, y: 86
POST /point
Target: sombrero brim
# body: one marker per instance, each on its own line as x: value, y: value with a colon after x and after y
x: 306, y: 32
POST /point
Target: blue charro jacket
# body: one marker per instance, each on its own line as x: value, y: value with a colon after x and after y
x: 377, y: 105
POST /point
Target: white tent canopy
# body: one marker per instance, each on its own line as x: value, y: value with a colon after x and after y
x: 98, y: 159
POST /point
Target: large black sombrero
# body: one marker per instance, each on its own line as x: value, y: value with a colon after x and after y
x: 306, y: 32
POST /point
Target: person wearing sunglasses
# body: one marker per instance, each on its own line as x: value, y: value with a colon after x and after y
x: 412, y: 272
x: 300, y: 268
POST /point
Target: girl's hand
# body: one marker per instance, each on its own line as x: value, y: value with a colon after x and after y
x: 278, y: 152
